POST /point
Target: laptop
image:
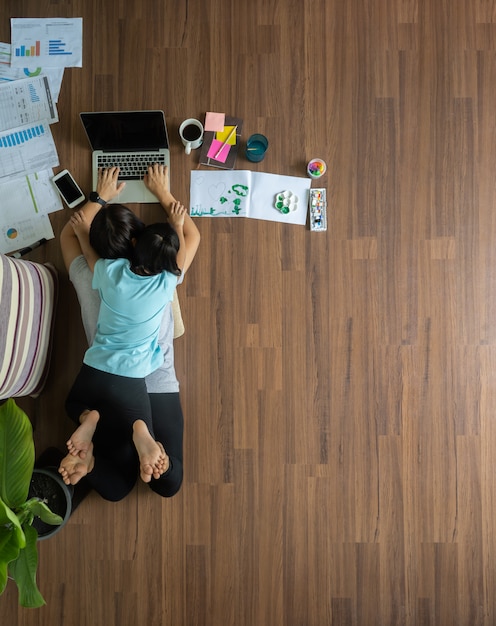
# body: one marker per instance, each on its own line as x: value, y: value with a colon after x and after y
x: 132, y: 140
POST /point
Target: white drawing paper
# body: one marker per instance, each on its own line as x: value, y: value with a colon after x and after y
x: 243, y: 193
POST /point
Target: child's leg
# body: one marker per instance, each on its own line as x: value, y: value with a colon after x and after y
x: 153, y: 460
x: 129, y: 401
x: 168, y: 424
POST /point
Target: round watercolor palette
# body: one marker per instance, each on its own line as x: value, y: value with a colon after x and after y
x: 286, y: 202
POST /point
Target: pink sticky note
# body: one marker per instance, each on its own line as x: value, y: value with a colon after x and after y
x: 215, y: 147
x: 214, y: 121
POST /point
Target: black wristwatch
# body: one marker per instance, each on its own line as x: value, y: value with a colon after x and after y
x: 94, y: 197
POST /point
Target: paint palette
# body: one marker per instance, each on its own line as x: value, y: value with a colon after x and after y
x: 286, y: 202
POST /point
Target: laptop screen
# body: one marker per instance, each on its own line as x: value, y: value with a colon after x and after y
x: 126, y: 131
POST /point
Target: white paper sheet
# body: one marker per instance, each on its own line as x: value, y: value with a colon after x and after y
x: 23, y: 232
x: 4, y: 53
x: 55, y: 42
x: 26, y: 149
x: 26, y: 203
x: 243, y: 193
x: 9, y: 73
x: 26, y: 101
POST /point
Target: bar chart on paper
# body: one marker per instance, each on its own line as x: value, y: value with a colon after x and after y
x: 29, y: 51
x: 22, y: 135
x: 26, y: 149
x: 26, y: 101
x: 55, y: 47
x: 55, y: 42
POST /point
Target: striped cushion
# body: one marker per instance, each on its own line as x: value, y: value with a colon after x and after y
x: 28, y: 295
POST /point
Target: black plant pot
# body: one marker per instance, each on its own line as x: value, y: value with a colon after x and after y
x: 47, y: 485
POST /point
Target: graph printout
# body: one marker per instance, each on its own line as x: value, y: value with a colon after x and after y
x: 8, y: 73
x: 26, y: 101
x: 26, y: 149
x: 52, y: 42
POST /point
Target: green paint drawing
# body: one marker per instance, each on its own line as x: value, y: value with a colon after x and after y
x: 241, y: 190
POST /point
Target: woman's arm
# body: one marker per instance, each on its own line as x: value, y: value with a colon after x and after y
x: 107, y: 188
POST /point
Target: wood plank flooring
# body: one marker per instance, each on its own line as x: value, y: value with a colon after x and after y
x: 338, y: 388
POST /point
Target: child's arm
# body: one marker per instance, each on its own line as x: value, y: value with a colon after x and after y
x: 81, y: 228
x: 177, y: 217
x: 157, y: 181
x: 107, y: 188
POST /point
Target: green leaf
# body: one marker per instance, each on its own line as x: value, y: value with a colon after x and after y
x: 8, y: 519
x: 16, y: 454
x: 41, y: 510
x: 23, y: 571
x: 9, y: 550
x: 12, y: 539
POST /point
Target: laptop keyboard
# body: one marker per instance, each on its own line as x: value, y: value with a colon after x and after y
x: 132, y: 167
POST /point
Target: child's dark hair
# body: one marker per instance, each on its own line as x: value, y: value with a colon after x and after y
x: 112, y: 231
x: 155, y: 250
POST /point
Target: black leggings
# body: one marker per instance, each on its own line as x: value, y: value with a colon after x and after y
x: 120, y: 402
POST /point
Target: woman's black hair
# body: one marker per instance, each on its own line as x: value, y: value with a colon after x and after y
x: 155, y: 250
x: 112, y: 231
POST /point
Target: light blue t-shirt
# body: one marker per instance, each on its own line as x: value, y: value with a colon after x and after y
x: 126, y: 340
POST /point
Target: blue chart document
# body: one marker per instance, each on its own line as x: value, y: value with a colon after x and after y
x: 53, y: 42
x: 26, y: 101
x: 26, y: 149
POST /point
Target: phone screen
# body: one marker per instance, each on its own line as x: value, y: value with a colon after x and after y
x: 68, y: 188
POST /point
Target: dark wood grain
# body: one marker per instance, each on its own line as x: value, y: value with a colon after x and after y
x: 339, y: 387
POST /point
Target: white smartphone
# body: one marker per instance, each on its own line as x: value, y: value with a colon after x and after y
x: 68, y: 188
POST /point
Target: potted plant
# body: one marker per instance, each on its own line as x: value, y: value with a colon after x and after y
x: 18, y: 511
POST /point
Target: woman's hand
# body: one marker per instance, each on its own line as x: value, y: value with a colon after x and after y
x: 157, y: 179
x: 108, y: 185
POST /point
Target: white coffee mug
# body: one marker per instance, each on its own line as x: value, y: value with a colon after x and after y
x: 191, y: 133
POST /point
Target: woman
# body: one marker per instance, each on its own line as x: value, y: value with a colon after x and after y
x: 113, y: 466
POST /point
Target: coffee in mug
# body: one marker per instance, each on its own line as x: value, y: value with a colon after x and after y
x: 191, y: 133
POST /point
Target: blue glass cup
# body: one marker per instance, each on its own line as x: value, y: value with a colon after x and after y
x: 256, y: 147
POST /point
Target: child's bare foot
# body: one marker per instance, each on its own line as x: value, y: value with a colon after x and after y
x: 80, y: 440
x: 151, y: 455
x: 73, y: 468
x: 166, y: 462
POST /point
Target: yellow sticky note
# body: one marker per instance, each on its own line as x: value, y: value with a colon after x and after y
x: 222, y: 135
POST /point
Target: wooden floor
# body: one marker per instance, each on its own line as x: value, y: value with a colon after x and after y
x: 339, y: 389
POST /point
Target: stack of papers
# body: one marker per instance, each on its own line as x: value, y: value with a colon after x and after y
x: 220, y: 140
x: 31, y: 71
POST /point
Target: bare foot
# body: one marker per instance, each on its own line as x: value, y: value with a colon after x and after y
x: 151, y: 455
x: 73, y: 468
x: 166, y: 458
x: 80, y: 440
